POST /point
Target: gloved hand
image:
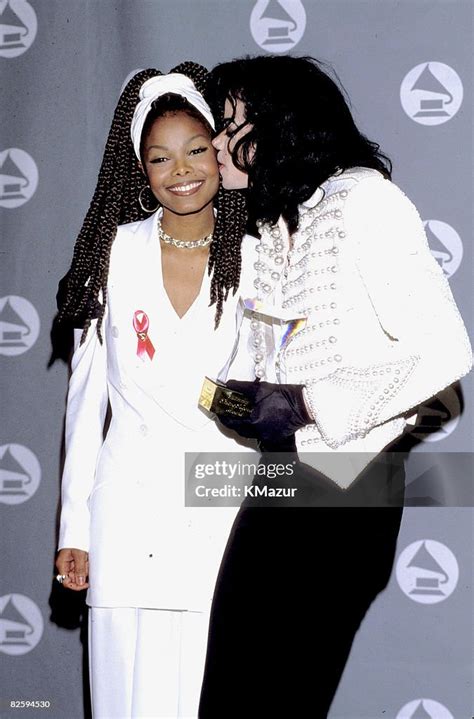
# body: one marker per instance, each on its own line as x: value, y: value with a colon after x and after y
x: 278, y: 410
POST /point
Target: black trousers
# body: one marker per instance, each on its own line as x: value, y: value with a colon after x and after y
x: 293, y: 588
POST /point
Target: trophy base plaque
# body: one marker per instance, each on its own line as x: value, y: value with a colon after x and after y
x: 220, y: 400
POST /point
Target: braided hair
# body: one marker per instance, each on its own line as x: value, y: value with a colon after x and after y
x: 115, y: 201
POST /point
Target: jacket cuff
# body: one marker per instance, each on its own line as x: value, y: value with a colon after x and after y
x: 351, y: 401
x: 74, y: 531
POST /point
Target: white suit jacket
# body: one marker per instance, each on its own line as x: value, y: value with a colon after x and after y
x: 382, y: 333
x: 122, y: 499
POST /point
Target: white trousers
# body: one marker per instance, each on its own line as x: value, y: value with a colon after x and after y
x: 146, y: 662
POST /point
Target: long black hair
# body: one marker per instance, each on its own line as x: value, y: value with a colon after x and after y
x: 301, y: 131
x: 115, y: 201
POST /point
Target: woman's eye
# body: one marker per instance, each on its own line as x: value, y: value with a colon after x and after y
x: 158, y: 159
x: 198, y: 150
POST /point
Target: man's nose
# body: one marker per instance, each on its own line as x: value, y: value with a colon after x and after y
x: 218, y: 141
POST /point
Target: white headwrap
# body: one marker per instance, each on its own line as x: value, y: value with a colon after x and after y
x: 160, y: 85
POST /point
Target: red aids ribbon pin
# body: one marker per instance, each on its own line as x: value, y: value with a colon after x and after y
x: 140, y: 325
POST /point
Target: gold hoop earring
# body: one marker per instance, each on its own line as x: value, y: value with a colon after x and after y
x: 140, y: 201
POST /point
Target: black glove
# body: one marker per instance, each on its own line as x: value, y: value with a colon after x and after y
x: 278, y: 411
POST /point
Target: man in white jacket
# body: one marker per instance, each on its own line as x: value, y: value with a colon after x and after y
x: 351, y: 325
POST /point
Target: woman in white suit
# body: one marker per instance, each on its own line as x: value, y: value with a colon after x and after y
x: 150, y: 322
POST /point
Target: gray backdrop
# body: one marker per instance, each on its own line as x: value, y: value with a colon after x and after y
x: 407, y: 67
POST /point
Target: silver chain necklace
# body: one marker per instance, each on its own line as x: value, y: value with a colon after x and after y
x: 184, y: 244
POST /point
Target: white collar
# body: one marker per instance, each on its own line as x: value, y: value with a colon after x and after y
x: 318, y: 194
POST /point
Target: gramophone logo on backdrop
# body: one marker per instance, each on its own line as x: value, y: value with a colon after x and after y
x: 445, y: 245
x: 424, y: 709
x: 18, y: 177
x: 18, y: 27
x: 19, y: 325
x: 438, y: 418
x: 20, y: 474
x: 278, y: 25
x: 427, y: 571
x: 21, y: 624
x: 431, y: 93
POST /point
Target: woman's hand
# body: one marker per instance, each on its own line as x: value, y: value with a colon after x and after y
x: 74, y: 564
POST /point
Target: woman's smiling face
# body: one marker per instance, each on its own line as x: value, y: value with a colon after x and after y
x: 180, y: 163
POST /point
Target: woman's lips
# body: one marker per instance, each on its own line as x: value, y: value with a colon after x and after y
x: 186, y: 188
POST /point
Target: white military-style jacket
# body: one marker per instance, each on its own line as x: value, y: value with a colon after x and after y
x: 123, y: 498
x: 381, y: 333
